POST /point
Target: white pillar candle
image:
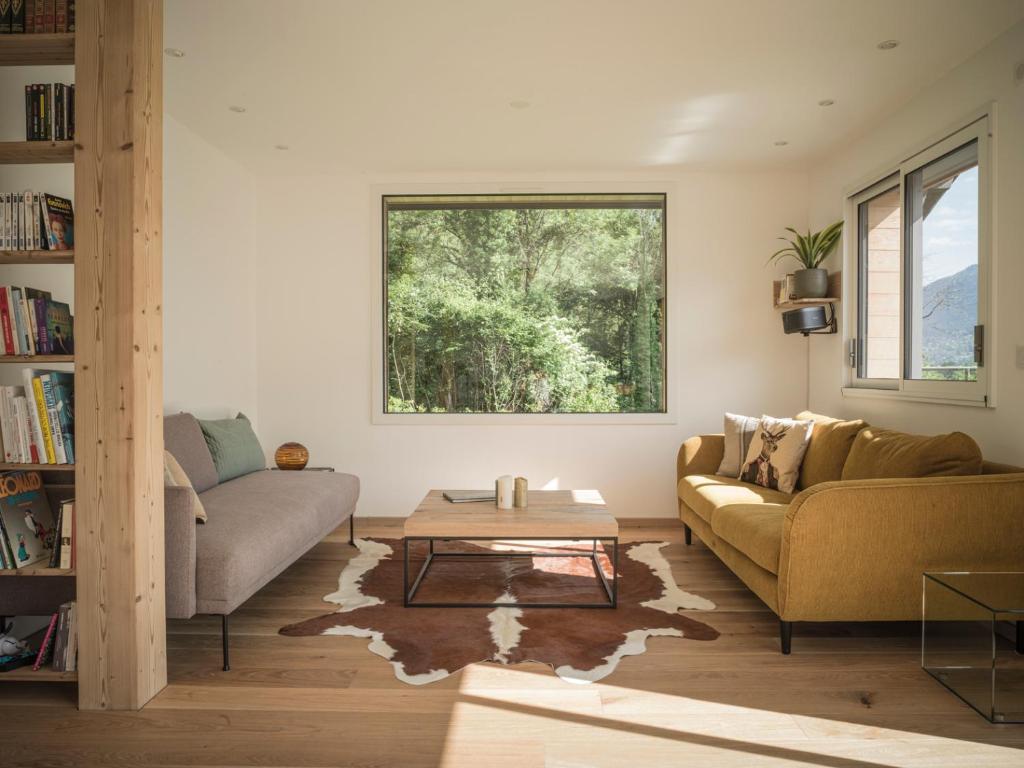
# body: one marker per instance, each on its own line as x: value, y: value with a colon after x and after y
x: 506, y: 491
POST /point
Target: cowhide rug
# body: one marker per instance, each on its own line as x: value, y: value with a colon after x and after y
x: 581, y: 644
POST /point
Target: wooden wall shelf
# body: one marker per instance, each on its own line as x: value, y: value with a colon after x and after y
x: 45, y: 675
x: 835, y: 292
x: 37, y: 50
x: 29, y: 359
x: 29, y: 152
x: 37, y: 257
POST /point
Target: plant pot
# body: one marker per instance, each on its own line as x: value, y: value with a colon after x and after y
x: 810, y: 283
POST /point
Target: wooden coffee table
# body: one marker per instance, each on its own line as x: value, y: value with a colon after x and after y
x: 552, y: 516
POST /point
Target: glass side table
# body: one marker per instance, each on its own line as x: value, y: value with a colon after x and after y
x: 972, y: 639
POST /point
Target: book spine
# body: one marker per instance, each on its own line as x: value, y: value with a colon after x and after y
x: 44, y: 421
x: 71, y: 90
x: 30, y: 17
x: 71, y: 15
x: 50, y: 400
x: 28, y: 113
x: 39, y: 16
x: 58, y: 113
x: 51, y: 242
x: 28, y: 321
x: 48, y: 16
x: 54, y: 560
x: 60, y: 16
x: 5, y: 29
x: 5, y: 424
x: 45, y: 647
x: 21, y: 419
x: 6, y: 542
x: 62, y: 393
x: 44, y: 338
x: 5, y: 242
x: 5, y: 320
x: 48, y: 110
x: 39, y: 445
x: 19, y: 329
x: 67, y: 535
x: 17, y: 16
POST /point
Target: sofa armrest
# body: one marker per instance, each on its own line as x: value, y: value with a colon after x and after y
x: 700, y: 455
x: 180, y: 552
x: 855, y: 550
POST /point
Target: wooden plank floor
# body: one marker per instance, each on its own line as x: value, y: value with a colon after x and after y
x: 850, y: 696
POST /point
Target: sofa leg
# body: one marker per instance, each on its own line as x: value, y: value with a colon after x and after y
x: 687, y: 534
x: 785, y: 636
x: 224, y: 640
x: 352, y: 529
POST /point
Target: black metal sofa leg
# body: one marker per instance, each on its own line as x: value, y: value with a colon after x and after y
x: 785, y: 636
x: 224, y: 640
x: 352, y: 529
x: 687, y: 534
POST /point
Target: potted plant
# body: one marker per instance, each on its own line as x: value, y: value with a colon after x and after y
x: 811, y: 282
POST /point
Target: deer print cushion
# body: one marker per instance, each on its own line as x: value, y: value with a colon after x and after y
x: 776, y: 452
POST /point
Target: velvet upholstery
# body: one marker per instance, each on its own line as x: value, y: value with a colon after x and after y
x: 831, y: 440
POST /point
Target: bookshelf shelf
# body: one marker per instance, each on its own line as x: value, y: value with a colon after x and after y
x: 39, y: 675
x: 37, y: 257
x: 37, y: 49
x: 29, y: 152
x: 7, y: 466
x: 37, y: 570
x: 26, y: 359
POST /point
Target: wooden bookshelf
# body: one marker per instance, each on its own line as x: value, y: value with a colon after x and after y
x: 32, y: 152
x: 37, y: 49
x: 32, y: 359
x: 43, y: 675
x: 37, y: 257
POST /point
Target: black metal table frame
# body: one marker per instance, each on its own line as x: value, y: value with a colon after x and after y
x: 611, y: 586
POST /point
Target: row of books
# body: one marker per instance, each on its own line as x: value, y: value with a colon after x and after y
x: 36, y: 16
x: 37, y: 421
x: 29, y: 534
x: 32, y: 221
x: 32, y: 323
x: 49, y: 111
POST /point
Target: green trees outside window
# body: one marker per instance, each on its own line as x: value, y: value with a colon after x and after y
x: 525, y: 304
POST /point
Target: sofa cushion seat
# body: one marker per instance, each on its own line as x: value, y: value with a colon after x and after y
x: 258, y: 525
x: 706, y: 493
x: 753, y: 529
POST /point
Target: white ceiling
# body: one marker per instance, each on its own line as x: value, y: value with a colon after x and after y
x: 414, y: 86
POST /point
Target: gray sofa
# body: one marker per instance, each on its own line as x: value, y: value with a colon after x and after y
x: 258, y: 524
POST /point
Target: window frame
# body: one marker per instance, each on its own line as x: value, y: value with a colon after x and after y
x: 979, y: 392
x: 673, y: 307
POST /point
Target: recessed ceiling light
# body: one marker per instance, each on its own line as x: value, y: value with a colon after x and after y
x: 519, y: 104
x: 888, y: 45
x: 826, y: 102
x: 174, y: 53
x: 236, y: 108
x: 281, y: 146
x: 781, y: 143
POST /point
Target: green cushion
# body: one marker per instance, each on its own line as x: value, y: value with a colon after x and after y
x: 234, y: 446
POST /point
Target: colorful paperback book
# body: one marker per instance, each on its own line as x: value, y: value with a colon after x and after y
x: 38, y: 403
x: 64, y: 393
x: 46, y: 647
x: 59, y: 328
x: 56, y: 434
x: 67, y: 534
x: 28, y: 375
x: 59, y: 218
x: 26, y: 516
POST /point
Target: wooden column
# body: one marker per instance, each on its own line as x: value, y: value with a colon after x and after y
x: 119, y: 352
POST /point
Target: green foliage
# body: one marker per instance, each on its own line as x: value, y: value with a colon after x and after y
x: 524, y: 310
x: 810, y: 250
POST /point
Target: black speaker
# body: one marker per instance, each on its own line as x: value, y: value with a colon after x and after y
x: 804, y: 320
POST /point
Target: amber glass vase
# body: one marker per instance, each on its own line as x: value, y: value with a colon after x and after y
x: 291, y: 456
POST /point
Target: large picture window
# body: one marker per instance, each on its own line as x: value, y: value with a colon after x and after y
x: 519, y: 304
x: 921, y: 273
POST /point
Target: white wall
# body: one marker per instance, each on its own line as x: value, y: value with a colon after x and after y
x: 989, y: 76
x: 317, y: 256
x: 209, y: 321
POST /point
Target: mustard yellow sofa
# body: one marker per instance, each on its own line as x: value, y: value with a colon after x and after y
x: 849, y: 550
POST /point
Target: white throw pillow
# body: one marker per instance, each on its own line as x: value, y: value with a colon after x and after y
x: 739, y: 431
x: 776, y: 452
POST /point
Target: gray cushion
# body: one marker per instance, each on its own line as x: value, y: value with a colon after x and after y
x: 259, y: 524
x: 184, y: 439
x: 234, y: 446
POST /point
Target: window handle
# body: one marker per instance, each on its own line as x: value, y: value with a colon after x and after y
x: 852, y: 354
x: 979, y: 345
